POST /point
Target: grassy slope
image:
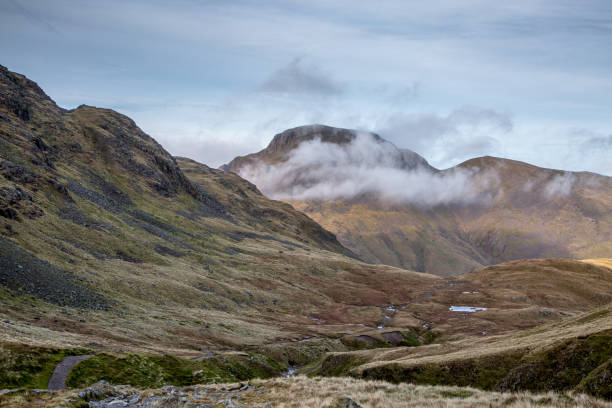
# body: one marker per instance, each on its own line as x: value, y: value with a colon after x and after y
x: 573, y: 353
x: 178, y: 266
x: 519, y: 295
x: 30, y: 367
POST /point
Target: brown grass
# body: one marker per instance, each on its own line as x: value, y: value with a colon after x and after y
x: 532, y: 340
x: 302, y: 392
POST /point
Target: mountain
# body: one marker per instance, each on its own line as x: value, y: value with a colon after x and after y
x: 159, y: 270
x: 403, y: 212
x: 108, y: 240
x: 283, y: 143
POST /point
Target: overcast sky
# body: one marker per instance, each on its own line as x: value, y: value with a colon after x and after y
x: 524, y: 79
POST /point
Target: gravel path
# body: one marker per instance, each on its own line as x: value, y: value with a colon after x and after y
x: 58, y: 378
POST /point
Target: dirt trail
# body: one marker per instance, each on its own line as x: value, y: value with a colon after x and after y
x: 62, y: 369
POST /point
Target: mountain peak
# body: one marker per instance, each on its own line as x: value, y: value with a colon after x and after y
x: 291, y: 138
x: 24, y: 97
x: 288, y: 140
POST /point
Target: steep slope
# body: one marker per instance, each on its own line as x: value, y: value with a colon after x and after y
x: 107, y: 243
x: 481, y: 212
x: 250, y: 207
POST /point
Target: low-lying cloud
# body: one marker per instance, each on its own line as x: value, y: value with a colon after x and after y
x: 560, y: 185
x: 366, y: 166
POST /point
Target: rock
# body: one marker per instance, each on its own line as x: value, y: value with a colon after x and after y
x: 133, y: 399
x: 98, y: 391
x: 14, y: 201
x: 545, y: 313
x: 9, y: 213
x: 11, y: 391
x: 17, y: 173
x: 240, y: 387
x: 345, y: 402
x: 171, y: 389
x: 22, y: 271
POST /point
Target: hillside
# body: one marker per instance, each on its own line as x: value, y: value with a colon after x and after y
x: 482, y: 212
x: 570, y: 355
x: 107, y: 243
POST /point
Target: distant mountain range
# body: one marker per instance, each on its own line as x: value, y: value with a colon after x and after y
x: 390, y: 206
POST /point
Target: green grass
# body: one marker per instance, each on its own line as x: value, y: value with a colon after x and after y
x: 564, y: 366
x: 484, y: 372
x: 598, y: 382
x: 155, y: 371
x: 23, y: 366
x: 582, y: 364
x: 410, y: 340
x: 338, y: 365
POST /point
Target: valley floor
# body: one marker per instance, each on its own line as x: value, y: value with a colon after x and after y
x: 296, y: 392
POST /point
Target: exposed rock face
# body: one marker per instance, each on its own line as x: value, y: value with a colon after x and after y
x: 15, y: 202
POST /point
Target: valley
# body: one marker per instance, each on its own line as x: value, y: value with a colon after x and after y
x: 166, y: 272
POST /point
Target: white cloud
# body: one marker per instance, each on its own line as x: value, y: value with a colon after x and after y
x: 325, y: 171
x: 560, y: 185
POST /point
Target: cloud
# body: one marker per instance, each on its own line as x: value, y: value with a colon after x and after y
x: 297, y: 78
x: 594, y: 153
x: 578, y: 150
x: 464, y: 133
x: 324, y: 171
x: 597, y: 143
x: 528, y: 57
x: 560, y: 185
x: 399, y: 94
